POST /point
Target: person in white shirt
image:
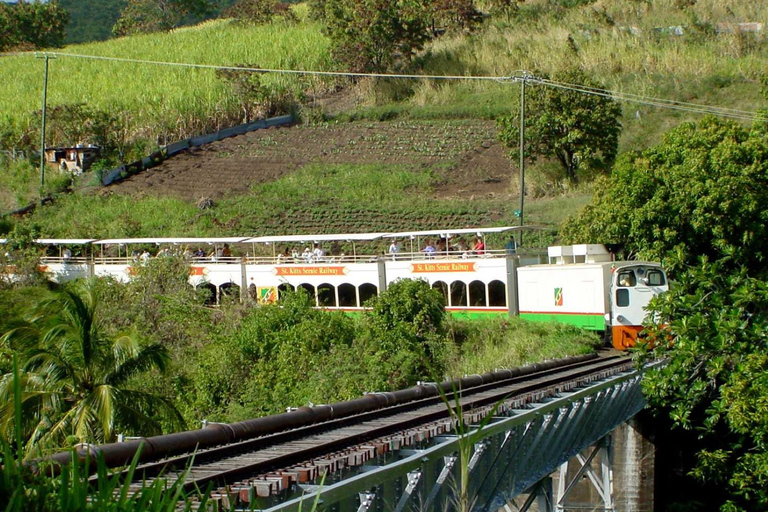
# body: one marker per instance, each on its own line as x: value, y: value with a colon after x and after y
x: 318, y: 253
x: 393, y: 250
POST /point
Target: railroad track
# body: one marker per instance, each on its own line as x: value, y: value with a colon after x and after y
x: 245, y: 470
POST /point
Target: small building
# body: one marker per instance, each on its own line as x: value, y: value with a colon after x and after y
x: 73, y: 159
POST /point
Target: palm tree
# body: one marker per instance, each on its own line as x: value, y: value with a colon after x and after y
x: 75, y: 378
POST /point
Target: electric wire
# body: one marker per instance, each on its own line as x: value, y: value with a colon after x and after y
x: 518, y: 76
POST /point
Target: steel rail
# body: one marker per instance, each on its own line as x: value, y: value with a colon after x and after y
x: 434, y: 410
x: 150, y: 469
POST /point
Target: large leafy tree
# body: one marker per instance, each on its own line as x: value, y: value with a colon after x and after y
x: 701, y: 192
x: 696, y: 202
x: 374, y: 35
x: 77, y: 379
x: 32, y: 25
x: 580, y: 131
x: 142, y: 16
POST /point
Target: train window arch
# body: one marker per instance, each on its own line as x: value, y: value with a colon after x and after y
x: 367, y: 291
x: 347, y: 295
x: 210, y: 292
x: 443, y: 288
x: 230, y: 290
x: 477, y: 294
x: 326, y: 295
x: 310, y: 291
x: 458, y: 294
x: 497, y: 294
x: 285, y: 288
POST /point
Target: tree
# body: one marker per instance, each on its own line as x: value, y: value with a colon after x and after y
x: 374, y: 35
x: 76, y: 379
x: 259, y: 12
x: 581, y: 131
x: 143, y: 16
x: 701, y: 192
x: 32, y: 26
x: 695, y: 202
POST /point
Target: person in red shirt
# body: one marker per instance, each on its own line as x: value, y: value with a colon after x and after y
x: 479, y: 247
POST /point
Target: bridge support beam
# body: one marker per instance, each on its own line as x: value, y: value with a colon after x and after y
x: 601, y: 478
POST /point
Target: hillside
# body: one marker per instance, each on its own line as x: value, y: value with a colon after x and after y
x: 627, y: 46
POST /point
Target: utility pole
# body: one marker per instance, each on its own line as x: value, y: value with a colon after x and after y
x: 522, y: 151
x: 42, y: 131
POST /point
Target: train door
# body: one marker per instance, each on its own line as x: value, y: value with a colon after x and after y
x: 631, y: 290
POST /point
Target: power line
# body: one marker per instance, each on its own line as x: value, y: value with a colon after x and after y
x: 281, y: 71
x: 694, y: 108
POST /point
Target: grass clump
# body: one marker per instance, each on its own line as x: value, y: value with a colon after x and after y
x: 485, y: 345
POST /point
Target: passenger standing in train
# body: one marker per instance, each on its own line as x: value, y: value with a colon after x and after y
x: 318, y: 253
x: 393, y: 250
x: 429, y: 249
x: 511, y: 246
x: 479, y: 247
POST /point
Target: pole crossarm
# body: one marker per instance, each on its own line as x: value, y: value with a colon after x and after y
x: 516, y: 453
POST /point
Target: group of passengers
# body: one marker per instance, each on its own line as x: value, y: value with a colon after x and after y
x: 199, y: 254
x: 315, y: 254
x: 459, y: 247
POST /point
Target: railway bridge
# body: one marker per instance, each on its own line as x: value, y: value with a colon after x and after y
x: 549, y: 436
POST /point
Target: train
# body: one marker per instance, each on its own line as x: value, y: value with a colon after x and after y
x: 583, y: 285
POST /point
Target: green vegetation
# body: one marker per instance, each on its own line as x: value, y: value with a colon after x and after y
x: 31, y: 25
x: 146, y: 16
x: 694, y: 202
x: 580, y: 131
x: 157, y: 103
x: 74, y: 376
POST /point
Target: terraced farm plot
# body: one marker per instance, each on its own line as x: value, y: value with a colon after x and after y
x: 463, y: 158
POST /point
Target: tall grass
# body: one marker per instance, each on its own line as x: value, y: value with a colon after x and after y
x: 506, y: 342
x: 160, y: 100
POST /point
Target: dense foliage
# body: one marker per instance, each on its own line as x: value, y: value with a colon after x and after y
x: 580, y: 131
x: 75, y: 377
x: 144, y: 16
x: 91, y: 20
x: 701, y: 192
x: 32, y: 25
x: 696, y: 201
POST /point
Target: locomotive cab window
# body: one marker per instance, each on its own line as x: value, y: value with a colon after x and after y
x: 622, y: 297
x: 627, y: 279
x: 655, y: 278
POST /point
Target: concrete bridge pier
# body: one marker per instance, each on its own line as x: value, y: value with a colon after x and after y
x: 614, y: 474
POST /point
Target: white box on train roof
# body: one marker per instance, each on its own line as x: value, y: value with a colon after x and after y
x: 580, y: 253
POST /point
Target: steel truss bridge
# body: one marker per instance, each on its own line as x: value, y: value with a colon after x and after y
x: 510, y: 456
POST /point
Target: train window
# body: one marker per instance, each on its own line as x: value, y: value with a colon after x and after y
x: 326, y: 295
x: 626, y: 279
x: 230, y: 290
x: 477, y: 294
x: 497, y: 294
x: 655, y: 278
x: 252, y: 292
x: 347, y: 296
x: 310, y: 291
x: 622, y: 297
x: 440, y: 285
x: 458, y: 294
x: 367, y: 291
x: 209, y: 291
x: 284, y: 288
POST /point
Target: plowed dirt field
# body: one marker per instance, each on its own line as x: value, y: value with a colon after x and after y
x: 464, y: 157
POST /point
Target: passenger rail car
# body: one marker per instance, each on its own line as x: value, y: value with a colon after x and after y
x: 579, y: 285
